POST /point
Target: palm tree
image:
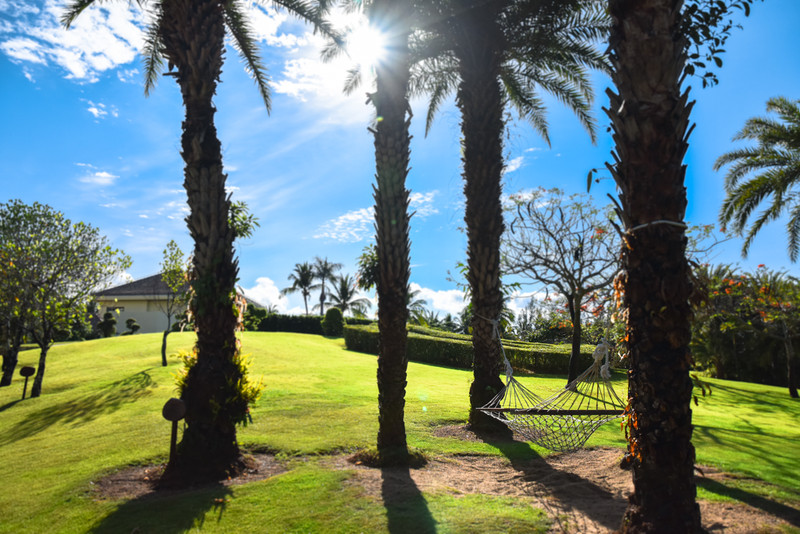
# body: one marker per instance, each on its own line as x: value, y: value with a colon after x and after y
x: 189, y: 36
x: 775, y: 163
x: 490, y: 51
x: 324, y: 271
x: 345, y: 295
x: 302, y: 279
x: 392, y: 152
x: 650, y: 117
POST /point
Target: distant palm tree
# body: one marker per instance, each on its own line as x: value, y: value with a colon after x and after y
x: 302, y: 279
x: 189, y: 37
x: 345, y: 296
x: 324, y: 271
x: 775, y: 163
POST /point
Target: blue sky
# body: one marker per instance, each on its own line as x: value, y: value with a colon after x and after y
x: 78, y: 134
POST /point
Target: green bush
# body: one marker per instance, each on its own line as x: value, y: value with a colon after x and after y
x: 301, y: 324
x: 427, y: 345
x: 333, y: 323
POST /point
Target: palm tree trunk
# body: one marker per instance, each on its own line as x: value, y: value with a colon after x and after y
x: 791, y: 364
x: 478, y: 42
x: 392, y: 149
x: 195, y: 44
x: 650, y: 117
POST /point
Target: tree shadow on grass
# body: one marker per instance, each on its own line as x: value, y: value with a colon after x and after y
x: 787, y: 513
x: 167, y: 511
x: 560, y: 493
x: 406, y: 508
x: 82, y: 409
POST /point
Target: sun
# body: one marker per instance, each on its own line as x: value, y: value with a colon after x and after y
x: 365, y: 45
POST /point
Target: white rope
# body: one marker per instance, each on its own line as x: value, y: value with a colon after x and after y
x: 660, y: 221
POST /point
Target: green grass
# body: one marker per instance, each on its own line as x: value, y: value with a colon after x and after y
x: 101, y: 411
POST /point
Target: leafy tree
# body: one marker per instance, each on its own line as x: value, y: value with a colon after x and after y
x: 132, y: 326
x: 773, y: 167
x: 174, y: 275
x: 324, y: 271
x: 333, y: 323
x: 108, y: 326
x: 302, y: 279
x: 188, y: 37
x: 490, y: 53
x: 345, y: 296
x: 367, y: 274
x: 566, y: 244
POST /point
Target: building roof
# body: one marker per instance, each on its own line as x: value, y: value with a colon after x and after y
x: 152, y: 285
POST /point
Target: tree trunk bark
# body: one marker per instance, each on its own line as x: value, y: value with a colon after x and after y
x: 479, y: 42
x: 10, y: 356
x: 650, y: 118
x: 193, y: 38
x: 791, y: 364
x: 392, y: 149
x: 574, y: 303
x: 164, y: 348
x: 36, y: 388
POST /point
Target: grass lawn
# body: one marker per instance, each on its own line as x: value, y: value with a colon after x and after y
x: 101, y: 410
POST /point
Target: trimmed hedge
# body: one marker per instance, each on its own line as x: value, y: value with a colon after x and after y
x: 301, y: 324
x: 433, y: 346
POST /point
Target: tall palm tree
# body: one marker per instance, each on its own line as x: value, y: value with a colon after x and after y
x: 302, y: 279
x: 392, y: 151
x: 775, y: 168
x: 189, y: 36
x: 650, y: 117
x: 345, y: 295
x: 324, y: 271
x: 490, y: 52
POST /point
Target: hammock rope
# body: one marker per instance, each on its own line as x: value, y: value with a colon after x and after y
x: 564, y: 421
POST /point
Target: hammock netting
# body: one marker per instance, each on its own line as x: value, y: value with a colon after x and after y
x: 564, y: 421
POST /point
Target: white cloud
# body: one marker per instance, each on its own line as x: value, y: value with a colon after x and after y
x: 514, y: 164
x: 422, y: 203
x: 266, y: 23
x: 101, y: 111
x: 352, y: 227
x: 446, y: 301
x: 101, y: 38
x: 100, y: 178
x: 265, y: 292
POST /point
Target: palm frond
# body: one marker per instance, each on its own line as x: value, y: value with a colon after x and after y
x: 153, y: 50
x: 245, y: 44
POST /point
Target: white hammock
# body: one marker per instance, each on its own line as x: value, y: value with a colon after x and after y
x: 564, y: 421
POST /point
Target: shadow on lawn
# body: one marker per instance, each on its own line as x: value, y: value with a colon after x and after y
x: 83, y: 409
x: 406, y: 507
x: 558, y: 492
x: 787, y: 513
x: 167, y: 511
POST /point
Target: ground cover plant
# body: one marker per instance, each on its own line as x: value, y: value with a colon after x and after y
x: 101, y: 413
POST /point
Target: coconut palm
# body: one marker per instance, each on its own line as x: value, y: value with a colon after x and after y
x: 345, y: 295
x: 324, y: 271
x: 490, y: 52
x: 189, y: 36
x: 302, y: 279
x: 650, y: 117
x: 774, y: 170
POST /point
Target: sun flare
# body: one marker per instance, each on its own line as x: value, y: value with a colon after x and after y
x: 365, y: 45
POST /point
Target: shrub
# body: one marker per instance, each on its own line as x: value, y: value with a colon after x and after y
x: 333, y: 323
x: 301, y: 324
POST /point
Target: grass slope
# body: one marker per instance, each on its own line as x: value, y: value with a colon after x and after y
x: 101, y: 411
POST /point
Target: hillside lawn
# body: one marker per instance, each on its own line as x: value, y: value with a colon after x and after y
x: 100, y: 411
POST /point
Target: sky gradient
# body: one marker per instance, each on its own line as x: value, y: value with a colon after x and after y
x: 78, y: 134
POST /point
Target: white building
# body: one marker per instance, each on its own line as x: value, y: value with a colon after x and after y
x: 144, y: 300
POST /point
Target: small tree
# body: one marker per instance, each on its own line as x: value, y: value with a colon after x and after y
x: 333, y: 323
x: 132, y: 326
x: 562, y: 243
x: 174, y: 275
x: 108, y: 326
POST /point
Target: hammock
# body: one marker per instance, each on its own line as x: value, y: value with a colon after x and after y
x: 564, y: 421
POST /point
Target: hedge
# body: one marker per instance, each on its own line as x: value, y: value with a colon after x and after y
x: 427, y: 345
x: 302, y: 324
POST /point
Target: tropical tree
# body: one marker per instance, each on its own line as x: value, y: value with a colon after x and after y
x: 174, y: 275
x: 189, y: 37
x: 490, y: 52
x: 324, y: 271
x: 392, y: 151
x: 302, y: 279
x: 345, y: 296
x: 565, y: 244
x: 769, y: 170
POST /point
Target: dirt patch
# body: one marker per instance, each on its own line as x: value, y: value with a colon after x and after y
x: 582, y: 492
x: 140, y: 481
